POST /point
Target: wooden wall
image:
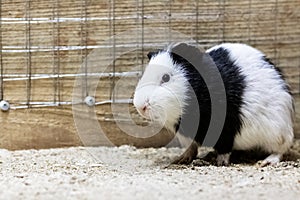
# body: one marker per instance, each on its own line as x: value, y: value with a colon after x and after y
x: 51, y: 39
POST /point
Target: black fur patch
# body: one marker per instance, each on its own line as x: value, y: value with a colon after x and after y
x: 151, y: 54
x: 234, y: 85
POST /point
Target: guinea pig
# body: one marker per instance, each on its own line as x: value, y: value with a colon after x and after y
x: 259, y: 106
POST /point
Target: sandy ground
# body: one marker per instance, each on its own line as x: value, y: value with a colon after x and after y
x: 129, y: 173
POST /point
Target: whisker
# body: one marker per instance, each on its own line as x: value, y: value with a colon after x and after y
x: 151, y: 115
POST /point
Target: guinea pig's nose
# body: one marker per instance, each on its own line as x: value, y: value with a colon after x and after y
x: 145, y: 106
x: 143, y: 109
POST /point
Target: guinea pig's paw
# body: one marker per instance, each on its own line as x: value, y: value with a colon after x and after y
x: 223, y: 159
x: 272, y: 159
x: 188, y: 156
x: 183, y: 160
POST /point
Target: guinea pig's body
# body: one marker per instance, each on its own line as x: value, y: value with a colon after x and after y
x: 259, y: 106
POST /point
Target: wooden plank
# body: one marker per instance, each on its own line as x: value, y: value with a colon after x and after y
x: 63, y: 33
x: 54, y: 127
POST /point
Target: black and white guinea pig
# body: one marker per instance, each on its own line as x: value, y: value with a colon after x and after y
x: 259, y: 105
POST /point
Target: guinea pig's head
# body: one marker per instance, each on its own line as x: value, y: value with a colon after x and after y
x: 162, y: 90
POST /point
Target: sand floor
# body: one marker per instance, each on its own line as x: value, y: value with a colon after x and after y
x: 129, y: 173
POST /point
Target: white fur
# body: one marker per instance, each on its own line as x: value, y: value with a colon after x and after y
x: 164, y: 101
x: 271, y: 160
x: 266, y: 113
x: 268, y: 109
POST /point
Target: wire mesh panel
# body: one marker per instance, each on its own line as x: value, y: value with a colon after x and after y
x: 44, y: 44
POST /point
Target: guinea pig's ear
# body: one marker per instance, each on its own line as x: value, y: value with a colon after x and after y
x: 151, y: 54
x: 182, y: 48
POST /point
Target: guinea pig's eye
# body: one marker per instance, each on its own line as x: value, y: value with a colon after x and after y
x: 165, y: 78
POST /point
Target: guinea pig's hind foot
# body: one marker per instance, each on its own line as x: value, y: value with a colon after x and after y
x: 270, y: 160
x: 223, y: 159
x: 188, y: 156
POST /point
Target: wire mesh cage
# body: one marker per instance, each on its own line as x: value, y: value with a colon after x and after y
x: 45, y: 44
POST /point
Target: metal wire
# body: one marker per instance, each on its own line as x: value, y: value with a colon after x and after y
x: 143, y: 33
x: 197, y: 22
x: 140, y: 35
x: 222, y: 18
x: 24, y: 105
x: 112, y: 32
x: 57, y: 76
x: 137, y: 6
x: 1, y: 59
x: 84, y: 38
x: 56, y: 52
x: 20, y: 77
x: 275, y: 35
x: 53, y: 46
x: 249, y: 21
x: 28, y: 54
x: 170, y: 20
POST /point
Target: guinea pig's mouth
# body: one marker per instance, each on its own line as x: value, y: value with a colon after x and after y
x: 143, y: 111
x: 145, y: 115
x: 148, y: 113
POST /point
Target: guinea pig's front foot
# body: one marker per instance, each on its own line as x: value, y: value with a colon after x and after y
x: 270, y: 160
x: 223, y: 159
x: 188, y: 156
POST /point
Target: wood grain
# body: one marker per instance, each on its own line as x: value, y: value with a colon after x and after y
x: 54, y: 38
